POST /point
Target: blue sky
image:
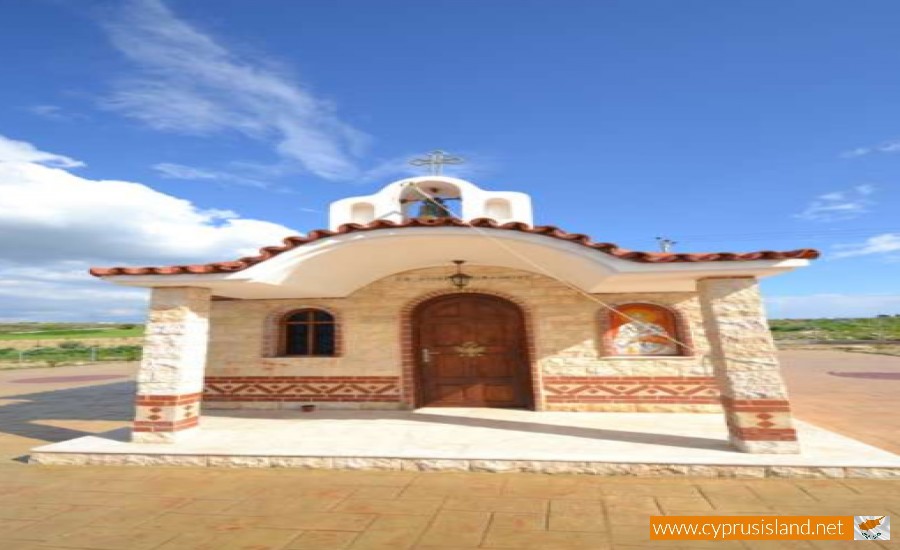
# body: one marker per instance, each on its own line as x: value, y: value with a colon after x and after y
x: 155, y: 132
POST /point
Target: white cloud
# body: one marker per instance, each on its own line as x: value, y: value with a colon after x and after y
x: 816, y: 306
x: 839, y: 205
x: 12, y: 151
x: 47, y: 111
x: 51, y: 211
x: 858, y: 152
x: 53, y: 112
x: 53, y: 293
x: 886, y: 147
x: 886, y: 243
x: 55, y: 224
x: 184, y: 172
x: 188, y: 82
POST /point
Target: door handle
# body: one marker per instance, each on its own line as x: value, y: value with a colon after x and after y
x: 426, y: 355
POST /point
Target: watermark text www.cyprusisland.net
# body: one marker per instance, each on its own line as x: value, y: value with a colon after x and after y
x: 770, y: 527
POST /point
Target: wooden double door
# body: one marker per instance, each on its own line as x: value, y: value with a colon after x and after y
x: 470, y: 352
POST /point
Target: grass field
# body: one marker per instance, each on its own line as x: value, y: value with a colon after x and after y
x: 74, y: 331
x: 59, y: 356
x: 877, y: 328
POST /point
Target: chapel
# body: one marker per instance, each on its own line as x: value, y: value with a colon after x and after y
x: 434, y: 292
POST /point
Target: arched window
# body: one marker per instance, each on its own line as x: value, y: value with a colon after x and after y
x: 308, y: 333
x: 643, y: 329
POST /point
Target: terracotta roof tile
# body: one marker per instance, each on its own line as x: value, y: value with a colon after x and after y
x: 291, y: 243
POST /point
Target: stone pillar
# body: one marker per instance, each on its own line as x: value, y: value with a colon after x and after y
x: 745, y: 363
x: 170, y: 379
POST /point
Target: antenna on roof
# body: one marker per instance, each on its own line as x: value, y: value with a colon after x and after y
x: 665, y: 245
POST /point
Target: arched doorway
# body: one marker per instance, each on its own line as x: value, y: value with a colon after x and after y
x: 470, y: 351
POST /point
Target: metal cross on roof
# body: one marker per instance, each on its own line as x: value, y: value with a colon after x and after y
x: 435, y: 161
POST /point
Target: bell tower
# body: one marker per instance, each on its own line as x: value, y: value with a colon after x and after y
x: 432, y: 197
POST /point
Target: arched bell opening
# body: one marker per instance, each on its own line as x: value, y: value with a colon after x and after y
x: 431, y: 200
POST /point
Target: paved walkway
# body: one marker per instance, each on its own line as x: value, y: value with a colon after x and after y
x: 121, y: 508
x: 847, y: 393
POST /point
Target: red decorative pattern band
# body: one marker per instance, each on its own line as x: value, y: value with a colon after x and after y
x: 759, y: 419
x: 631, y: 389
x: 144, y: 426
x: 302, y: 388
x: 764, y: 434
x: 167, y: 413
x: 168, y: 400
x: 756, y: 405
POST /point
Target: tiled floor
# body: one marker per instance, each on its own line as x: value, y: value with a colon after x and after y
x: 120, y: 508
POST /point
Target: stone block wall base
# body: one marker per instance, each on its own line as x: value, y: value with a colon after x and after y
x: 164, y: 418
x: 463, y: 465
x: 163, y: 437
x: 765, y: 447
x: 761, y: 426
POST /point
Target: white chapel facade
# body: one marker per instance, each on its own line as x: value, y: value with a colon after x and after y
x: 434, y: 292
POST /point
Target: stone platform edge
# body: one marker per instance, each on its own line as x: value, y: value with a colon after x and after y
x: 464, y: 465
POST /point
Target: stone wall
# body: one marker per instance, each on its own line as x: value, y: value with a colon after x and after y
x: 171, y: 376
x: 565, y: 334
x: 743, y: 353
